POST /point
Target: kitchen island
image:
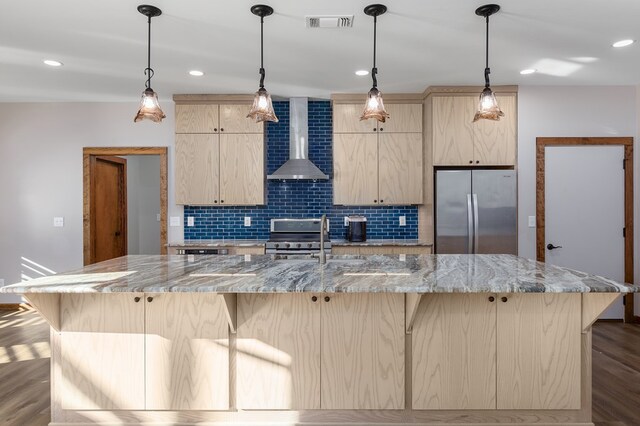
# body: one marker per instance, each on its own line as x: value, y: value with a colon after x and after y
x: 458, y: 339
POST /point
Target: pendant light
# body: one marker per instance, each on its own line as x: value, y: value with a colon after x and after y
x: 149, y: 106
x: 488, y: 105
x: 374, y: 106
x: 262, y: 108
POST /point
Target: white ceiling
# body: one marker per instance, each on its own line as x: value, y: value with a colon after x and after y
x: 420, y: 43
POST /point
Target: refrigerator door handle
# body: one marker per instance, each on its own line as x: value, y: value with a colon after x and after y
x: 475, y: 223
x: 470, y: 223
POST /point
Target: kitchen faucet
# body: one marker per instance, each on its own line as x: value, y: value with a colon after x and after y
x: 322, y: 257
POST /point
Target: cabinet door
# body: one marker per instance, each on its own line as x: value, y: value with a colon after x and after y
x: 102, y: 352
x: 539, y: 351
x: 400, y: 168
x: 346, y: 119
x: 197, y: 167
x: 233, y: 119
x: 454, y: 353
x: 196, y: 118
x: 278, y: 364
x: 355, y: 169
x: 495, y: 141
x: 187, y: 352
x: 403, y: 118
x: 241, y: 169
x: 363, y: 351
x: 453, y: 132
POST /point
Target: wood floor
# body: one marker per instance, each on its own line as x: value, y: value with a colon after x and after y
x: 24, y: 371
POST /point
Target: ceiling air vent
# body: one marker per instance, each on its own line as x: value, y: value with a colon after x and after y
x: 345, y: 21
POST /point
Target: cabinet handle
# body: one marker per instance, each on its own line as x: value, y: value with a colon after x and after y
x: 149, y: 299
x: 221, y: 201
x: 504, y: 299
x: 375, y: 201
x: 382, y: 201
x: 381, y: 128
x: 477, y: 161
x: 327, y: 298
x: 215, y: 129
x: 136, y: 299
x: 470, y: 161
x: 215, y: 201
x: 314, y: 299
x: 492, y: 299
x: 221, y: 129
x: 375, y: 130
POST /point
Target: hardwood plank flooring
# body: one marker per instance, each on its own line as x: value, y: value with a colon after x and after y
x: 24, y: 371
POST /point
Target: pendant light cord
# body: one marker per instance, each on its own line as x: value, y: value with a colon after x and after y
x: 487, y: 71
x: 262, y: 73
x: 374, y: 70
x: 148, y: 71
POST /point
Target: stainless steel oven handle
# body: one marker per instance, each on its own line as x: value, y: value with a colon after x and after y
x: 470, y: 224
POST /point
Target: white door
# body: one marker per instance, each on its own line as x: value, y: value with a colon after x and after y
x: 584, y: 211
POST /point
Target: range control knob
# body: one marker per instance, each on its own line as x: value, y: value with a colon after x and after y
x: 287, y: 245
x: 310, y: 245
x: 277, y: 245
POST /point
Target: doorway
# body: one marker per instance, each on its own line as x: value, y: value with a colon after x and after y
x: 104, y: 200
x: 584, y: 208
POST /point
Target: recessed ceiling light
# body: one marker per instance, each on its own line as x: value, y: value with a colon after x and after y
x: 528, y: 71
x: 623, y: 43
x: 196, y: 73
x: 362, y: 72
x: 52, y: 63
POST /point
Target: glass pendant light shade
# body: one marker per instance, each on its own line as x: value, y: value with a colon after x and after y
x: 262, y: 108
x: 374, y: 107
x: 149, y: 107
x: 488, y: 108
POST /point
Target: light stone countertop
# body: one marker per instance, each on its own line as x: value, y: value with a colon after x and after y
x: 341, y: 274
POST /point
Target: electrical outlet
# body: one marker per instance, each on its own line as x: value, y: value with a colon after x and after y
x: 346, y: 221
x: 532, y: 221
x: 247, y: 221
x: 403, y: 221
x: 247, y: 258
x: 158, y: 217
x: 58, y: 222
x: 174, y: 221
x: 402, y: 257
x: 191, y: 221
x: 1, y: 282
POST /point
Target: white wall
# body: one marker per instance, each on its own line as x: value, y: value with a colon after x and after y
x: 564, y: 112
x: 143, y: 204
x: 41, y: 177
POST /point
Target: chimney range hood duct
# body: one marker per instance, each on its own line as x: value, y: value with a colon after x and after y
x: 298, y: 165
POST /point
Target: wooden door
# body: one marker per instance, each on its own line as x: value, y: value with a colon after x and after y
x: 403, y: 118
x: 108, y: 208
x: 278, y: 344
x: 538, y: 351
x: 495, y: 142
x: 346, y: 119
x: 355, y: 169
x: 233, y: 119
x: 242, y: 169
x: 454, y: 353
x: 187, y: 352
x: 400, y: 168
x: 363, y: 351
x: 197, y: 169
x: 453, y: 132
x: 102, y: 352
x: 197, y: 119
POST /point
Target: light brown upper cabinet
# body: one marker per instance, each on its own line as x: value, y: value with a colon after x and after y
x: 457, y: 141
x: 219, y: 155
x: 377, y: 163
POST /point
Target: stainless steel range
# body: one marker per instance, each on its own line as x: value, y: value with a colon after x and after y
x: 297, y: 236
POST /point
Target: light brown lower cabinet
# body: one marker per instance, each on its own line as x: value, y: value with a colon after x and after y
x: 113, y: 358
x: 517, y: 351
x: 373, y: 249
x: 339, y: 351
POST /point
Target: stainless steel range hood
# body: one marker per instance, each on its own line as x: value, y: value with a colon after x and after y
x: 298, y: 165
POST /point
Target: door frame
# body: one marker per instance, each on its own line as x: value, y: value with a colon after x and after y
x: 88, y: 155
x: 627, y: 143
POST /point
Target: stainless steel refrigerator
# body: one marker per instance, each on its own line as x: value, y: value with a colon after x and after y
x: 476, y: 211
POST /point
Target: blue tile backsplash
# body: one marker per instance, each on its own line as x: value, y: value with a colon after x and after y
x: 298, y: 199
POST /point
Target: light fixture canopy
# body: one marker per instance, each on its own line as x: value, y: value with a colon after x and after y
x: 488, y: 108
x: 149, y: 105
x: 262, y: 107
x: 374, y: 106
